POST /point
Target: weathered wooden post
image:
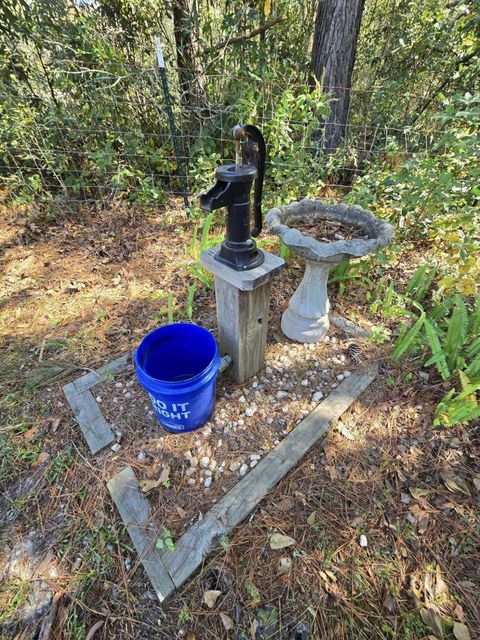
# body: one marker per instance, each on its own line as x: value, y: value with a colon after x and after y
x: 242, y: 299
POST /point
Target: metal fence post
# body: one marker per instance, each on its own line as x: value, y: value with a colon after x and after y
x: 171, y: 121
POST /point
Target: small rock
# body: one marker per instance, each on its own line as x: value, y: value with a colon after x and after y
x: 304, y: 383
x: 194, y: 461
x: 269, y: 420
x: 207, y: 431
x: 268, y: 370
x: 340, y: 377
x: 204, y: 462
x: 347, y: 374
x: 363, y: 541
x: 255, y: 456
x: 235, y: 466
x: 98, y: 399
x: 243, y: 469
x: 142, y: 456
x: 207, y: 482
x: 242, y: 399
x: 281, y: 395
x: 128, y: 395
x: 253, y: 464
x: 254, y: 385
x: 317, y: 396
x: 118, y: 385
x: 116, y: 447
x: 191, y: 481
x: 249, y: 412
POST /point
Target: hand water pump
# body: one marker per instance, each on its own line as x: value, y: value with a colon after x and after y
x: 232, y: 190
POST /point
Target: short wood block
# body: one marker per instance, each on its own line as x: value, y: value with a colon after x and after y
x: 242, y: 299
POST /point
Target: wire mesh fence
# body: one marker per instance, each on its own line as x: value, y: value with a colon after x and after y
x: 85, y: 134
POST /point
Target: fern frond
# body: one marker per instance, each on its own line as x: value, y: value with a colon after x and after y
x: 473, y: 348
x: 421, y: 282
x: 440, y: 309
x: 474, y: 324
x: 406, y: 342
x: 438, y: 357
x: 457, y: 332
x: 473, y: 368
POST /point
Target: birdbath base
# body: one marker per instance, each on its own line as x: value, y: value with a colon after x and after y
x: 306, y: 318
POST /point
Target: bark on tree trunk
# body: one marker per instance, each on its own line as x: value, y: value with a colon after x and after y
x: 190, y: 82
x: 337, y: 25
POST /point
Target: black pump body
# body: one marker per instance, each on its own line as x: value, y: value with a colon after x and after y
x: 232, y: 190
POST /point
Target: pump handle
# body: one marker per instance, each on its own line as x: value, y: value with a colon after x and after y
x: 254, y: 152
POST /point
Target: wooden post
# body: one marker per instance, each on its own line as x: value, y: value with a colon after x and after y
x: 242, y: 311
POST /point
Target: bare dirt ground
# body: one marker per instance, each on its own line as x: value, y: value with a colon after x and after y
x: 383, y: 514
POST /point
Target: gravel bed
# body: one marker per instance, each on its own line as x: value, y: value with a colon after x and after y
x: 184, y: 474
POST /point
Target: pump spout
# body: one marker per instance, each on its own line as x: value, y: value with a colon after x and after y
x: 215, y: 198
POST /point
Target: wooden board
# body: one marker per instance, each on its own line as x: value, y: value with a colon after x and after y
x: 94, y: 427
x: 243, y: 280
x: 242, y: 320
x: 89, y: 380
x: 194, y: 546
x: 135, y: 512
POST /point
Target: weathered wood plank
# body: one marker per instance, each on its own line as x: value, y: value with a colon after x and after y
x: 243, y: 280
x: 242, y: 320
x: 94, y: 427
x: 193, y: 547
x: 135, y: 513
x: 89, y: 380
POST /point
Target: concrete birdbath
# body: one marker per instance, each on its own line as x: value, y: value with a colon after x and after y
x: 323, y: 235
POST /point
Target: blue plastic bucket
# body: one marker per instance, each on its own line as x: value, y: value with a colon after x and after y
x: 178, y: 365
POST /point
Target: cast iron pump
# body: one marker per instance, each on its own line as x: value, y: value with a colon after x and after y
x: 232, y: 190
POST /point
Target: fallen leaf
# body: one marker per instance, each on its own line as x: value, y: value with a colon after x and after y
x: 441, y: 588
x: 419, y: 493
x: 147, y: 485
x: 421, y: 519
x: 43, y: 457
x: 332, y: 472
x: 458, y: 611
x: 226, y: 621
x: 164, y: 476
x: 432, y: 620
x: 279, y: 541
x: 311, y: 518
x: 284, y: 565
x: 456, y: 484
x: 476, y: 482
x: 388, y: 600
x: 460, y: 631
x: 181, y: 512
x: 342, y: 430
x: 253, y: 629
x: 210, y: 597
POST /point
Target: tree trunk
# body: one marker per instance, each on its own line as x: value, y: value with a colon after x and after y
x: 337, y: 25
x: 190, y: 82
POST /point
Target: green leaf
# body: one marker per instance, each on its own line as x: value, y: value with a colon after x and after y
x: 438, y: 357
x: 405, y: 344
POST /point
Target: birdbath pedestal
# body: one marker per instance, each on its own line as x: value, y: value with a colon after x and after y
x: 306, y: 318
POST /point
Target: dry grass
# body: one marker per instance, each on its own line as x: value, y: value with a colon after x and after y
x: 86, y: 291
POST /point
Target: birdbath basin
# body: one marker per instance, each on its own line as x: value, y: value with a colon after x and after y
x: 323, y: 235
